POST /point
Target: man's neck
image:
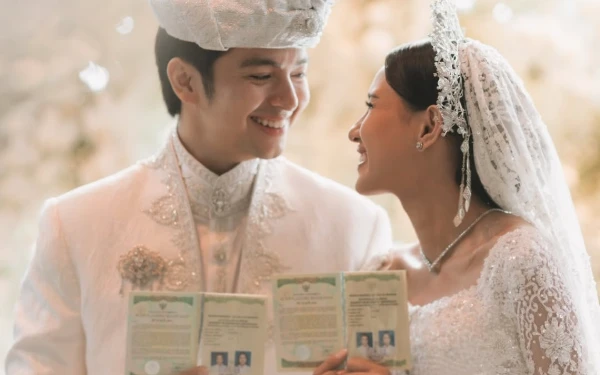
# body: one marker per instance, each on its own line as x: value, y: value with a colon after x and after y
x: 217, y: 163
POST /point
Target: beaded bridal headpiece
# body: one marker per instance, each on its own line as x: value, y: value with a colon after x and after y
x: 446, y: 40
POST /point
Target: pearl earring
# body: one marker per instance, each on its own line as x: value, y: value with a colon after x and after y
x: 420, y: 146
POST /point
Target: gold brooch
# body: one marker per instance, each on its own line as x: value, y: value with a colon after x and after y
x: 141, y: 267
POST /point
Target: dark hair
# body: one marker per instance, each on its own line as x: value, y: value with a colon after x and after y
x: 166, y: 48
x: 411, y: 72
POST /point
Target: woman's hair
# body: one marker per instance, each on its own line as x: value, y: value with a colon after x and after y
x: 410, y: 71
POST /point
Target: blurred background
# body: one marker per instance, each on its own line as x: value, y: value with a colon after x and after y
x: 80, y: 99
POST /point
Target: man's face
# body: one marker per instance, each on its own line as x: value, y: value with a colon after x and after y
x: 242, y: 359
x: 364, y: 340
x: 258, y: 95
x: 219, y: 359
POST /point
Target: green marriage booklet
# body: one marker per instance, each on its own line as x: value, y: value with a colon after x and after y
x: 171, y: 332
x: 317, y: 315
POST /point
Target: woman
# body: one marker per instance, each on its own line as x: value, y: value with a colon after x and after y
x: 502, y: 284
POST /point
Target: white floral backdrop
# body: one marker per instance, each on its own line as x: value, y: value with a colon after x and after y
x: 80, y: 98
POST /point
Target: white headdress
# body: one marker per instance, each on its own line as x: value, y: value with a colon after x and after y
x: 222, y: 24
x: 515, y: 158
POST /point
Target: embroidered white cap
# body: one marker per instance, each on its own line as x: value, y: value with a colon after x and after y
x: 223, y: 24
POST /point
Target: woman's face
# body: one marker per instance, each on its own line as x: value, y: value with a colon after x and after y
x: 386, y: 339
x: 386, y: 141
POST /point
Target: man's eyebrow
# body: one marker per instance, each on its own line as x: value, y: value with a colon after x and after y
x: 263, y: 61
x: 372, y: 96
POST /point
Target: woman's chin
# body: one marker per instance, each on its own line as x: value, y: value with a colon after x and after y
x: 364, y: 187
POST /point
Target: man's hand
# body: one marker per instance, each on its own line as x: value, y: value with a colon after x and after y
x: 357, y: 366
x: 195, y: 371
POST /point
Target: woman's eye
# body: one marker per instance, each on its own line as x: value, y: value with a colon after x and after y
x: 369, y: 104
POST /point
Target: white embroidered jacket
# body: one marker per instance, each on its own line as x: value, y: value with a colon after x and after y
x: 71, y: 314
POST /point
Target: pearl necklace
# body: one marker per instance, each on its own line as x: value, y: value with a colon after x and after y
x: 431, y: 265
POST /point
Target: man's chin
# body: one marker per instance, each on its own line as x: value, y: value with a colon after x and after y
x: 270, y: 154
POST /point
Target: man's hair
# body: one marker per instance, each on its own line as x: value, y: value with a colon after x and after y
x: 166, y: 48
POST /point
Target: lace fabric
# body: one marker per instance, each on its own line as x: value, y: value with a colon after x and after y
x: 517, y: 319
x: 520, y: 169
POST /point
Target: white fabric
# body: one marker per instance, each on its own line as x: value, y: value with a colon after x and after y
x: 220, y: 228
x: 386, y: 351
x: 70, y: 317
x: 520, y: 169
x: 220, y: 25
x: 518, y: 319
x: 218, y: 370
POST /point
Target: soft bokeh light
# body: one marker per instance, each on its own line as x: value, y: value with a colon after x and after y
x: 125, y: 26
x: 502, y: 13
x: 465, y: 5
x: 95, y: 76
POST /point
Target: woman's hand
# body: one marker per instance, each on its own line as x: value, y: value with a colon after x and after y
x: 331, y: 364
x: 196, y: 371
x: 358, y: 366
x: 361, y: 366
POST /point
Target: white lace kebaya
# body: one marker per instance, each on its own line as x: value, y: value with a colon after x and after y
x: 517, y: 319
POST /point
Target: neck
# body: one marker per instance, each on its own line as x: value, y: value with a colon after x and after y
x: 432, y: 219
x: 217, y: 161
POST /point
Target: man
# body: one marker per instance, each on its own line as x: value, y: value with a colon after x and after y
x: 387, y: 349
x: 365, y: 349
x: 242, y: 365
x: 216, y: 210
x: 219, y: 368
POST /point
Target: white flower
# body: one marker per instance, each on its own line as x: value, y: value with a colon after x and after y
x: 556, y: 341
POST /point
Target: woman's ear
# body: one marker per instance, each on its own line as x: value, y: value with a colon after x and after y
x: 431, y: 128
x: 183, y: 78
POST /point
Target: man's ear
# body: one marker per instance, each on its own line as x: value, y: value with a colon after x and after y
x: 185, y: 81
x: 431, y: 127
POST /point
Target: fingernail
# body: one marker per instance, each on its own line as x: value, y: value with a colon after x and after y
x: 341, y: 354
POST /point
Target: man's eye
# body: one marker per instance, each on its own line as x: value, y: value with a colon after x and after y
x: 261, y: 77
x: 299, y: 75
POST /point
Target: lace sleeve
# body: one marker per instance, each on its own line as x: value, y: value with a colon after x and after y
x: 543, y: 310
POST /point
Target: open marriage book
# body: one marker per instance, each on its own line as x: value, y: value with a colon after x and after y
x: 314, y: 316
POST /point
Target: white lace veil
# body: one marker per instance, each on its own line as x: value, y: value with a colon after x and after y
x: 516, y: 159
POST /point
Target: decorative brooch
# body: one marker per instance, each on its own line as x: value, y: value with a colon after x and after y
x: 140, y: 267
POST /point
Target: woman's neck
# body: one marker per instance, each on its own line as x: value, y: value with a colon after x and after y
x: 432, y: 212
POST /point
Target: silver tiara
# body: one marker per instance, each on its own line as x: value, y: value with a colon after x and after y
x: 446, y: 38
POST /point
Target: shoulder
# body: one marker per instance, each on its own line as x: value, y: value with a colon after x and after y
x: 522, y: 247
x: 523, y: 259
x: 107, y: 192
x: 400, y: 257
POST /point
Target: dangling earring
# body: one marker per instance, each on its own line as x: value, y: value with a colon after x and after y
x: 420, y: 146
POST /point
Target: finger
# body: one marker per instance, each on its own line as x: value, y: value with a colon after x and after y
x: 362, y: 365
x: 195, y: 371
x: 331, y: 363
